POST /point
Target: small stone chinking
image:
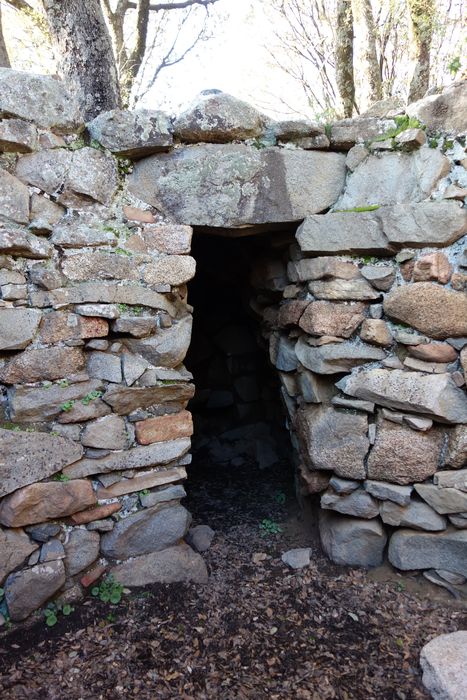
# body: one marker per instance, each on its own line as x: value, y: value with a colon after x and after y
x: 368, y: 340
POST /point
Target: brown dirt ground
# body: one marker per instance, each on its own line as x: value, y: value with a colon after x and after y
x: 255, y: 631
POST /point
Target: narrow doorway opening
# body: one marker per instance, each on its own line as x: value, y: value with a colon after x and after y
x: 242, y: 468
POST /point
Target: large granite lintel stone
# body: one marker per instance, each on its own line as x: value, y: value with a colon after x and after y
x: 235, y: 185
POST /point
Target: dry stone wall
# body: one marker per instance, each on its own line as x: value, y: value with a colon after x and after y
x: 369, y: 335
x: 365, y: 315
x: 94, y: 326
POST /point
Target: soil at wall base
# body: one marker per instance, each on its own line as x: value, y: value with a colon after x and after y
x: 256, y: 630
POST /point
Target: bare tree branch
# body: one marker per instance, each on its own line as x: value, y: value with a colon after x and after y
x: 170, y: 57
x: 20, y: 5
x: 174, y: 5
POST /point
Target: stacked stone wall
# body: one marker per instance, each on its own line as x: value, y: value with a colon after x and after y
x: 94, y: 326
x: 365, y: 315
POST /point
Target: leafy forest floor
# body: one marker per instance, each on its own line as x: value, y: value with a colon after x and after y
x: 257, y: 630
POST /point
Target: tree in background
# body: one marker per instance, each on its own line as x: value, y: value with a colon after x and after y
x: 344, y: 56
x: 305, y: 34
x: 363, y: 13
x: 366, y: 48
x: 422, y: 18
x: 4, y: 58
x: 84, y: 53
x: 112, y: 52
x: 159, y: 39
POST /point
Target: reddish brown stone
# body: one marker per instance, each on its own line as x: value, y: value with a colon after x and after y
x: 430, y: 308
x: 163, y: 428
x: 97, y: 513
x: 136, y: 244
x: 407, y: 270
x: 45, y: 501
x: 42, y: 364
x: 313, y: 481
x: 135, y: 214
x: 168, y: 238
x: 93, y: 575
x: 59, y: 326
x: 328, y: 318
x: 433, y: 352
x: 376, y: 331
x: 291, y: 312
x: 434, y: 266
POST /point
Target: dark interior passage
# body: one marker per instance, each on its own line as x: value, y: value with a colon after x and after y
x: 240, y: 434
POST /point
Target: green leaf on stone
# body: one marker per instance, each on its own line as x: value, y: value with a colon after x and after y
x: 115, y: 597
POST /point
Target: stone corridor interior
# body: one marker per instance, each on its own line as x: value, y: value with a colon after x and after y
x: 238, y: 416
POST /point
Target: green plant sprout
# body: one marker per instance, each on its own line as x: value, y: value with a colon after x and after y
x: 67, y: 406
x: 94, y: 143
x: 91, y: 397
x: 10, y: 426
x: 61, y: 477
x: 454, y: 66
x: 403, y: 122
x: 51, y: 618
x: 122, y: 251
x: 358, y: 210
x: 77, y: 145
x: 108, y: 591
x: 52, y: 610
x: 269, y: 527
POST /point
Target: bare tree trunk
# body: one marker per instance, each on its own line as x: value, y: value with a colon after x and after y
x: 136, y: 56
x: 116, y: 21
x: 421, y: 18
x: 4, y: 59
x: 344, y: 55
x: 363, y: 14
x: 84, y: 52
